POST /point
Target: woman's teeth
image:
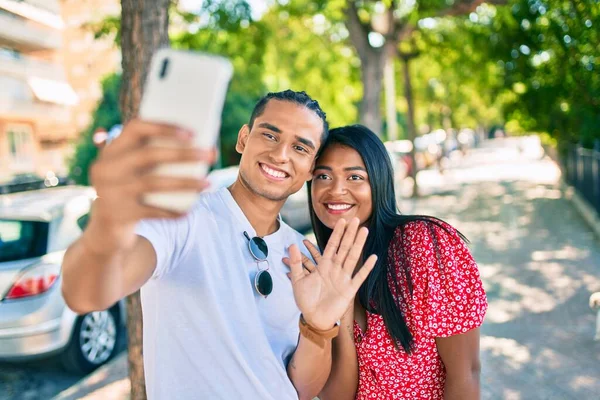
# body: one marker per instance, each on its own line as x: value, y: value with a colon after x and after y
x: 338, y: 207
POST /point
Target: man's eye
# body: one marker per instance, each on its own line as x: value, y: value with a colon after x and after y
x: 321, y: 177
x: 269, y: 136
x: 300, y: 148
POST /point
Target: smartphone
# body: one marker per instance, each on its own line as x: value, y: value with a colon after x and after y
x: 186, y: 89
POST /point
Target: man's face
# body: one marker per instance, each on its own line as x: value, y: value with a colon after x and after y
x: 279, y: 152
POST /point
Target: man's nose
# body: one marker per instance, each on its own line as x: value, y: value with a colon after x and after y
x: 280, y: 154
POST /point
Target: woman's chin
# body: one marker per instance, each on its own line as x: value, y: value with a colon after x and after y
x: 331, y: 220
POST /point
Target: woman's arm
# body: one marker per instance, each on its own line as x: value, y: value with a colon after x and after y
x: 460, y: 355
x: 343, y: 380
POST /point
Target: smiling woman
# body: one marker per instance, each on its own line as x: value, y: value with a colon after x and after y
x: 413, y: 330
x: 341, y: 185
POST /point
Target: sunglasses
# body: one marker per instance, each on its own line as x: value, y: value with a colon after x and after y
x: 263, y: 282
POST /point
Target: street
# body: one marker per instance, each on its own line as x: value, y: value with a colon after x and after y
x: 33, y: 380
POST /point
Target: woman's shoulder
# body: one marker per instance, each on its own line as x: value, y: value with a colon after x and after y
x: 422, y: 231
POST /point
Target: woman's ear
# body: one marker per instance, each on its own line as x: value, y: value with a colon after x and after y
x: 242, y: 139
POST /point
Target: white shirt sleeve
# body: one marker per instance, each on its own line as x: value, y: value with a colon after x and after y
x: 169, y: 238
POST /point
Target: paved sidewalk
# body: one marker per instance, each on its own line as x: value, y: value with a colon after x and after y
x: 539, y: 262
x: 109, y: 382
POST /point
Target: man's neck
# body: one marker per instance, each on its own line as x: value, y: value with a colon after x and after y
x: 261, y: 212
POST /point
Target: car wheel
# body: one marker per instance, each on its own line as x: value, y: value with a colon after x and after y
x: 95, y: 340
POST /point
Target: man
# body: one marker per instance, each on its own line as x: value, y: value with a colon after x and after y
x: 216, y: 325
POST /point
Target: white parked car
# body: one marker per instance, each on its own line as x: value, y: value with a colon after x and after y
x: 36, y: 227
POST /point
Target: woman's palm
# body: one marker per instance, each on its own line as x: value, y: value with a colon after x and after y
x: 324, y: 291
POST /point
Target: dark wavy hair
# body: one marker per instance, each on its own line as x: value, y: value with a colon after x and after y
x: 375, y: 295
x: 299, y: 98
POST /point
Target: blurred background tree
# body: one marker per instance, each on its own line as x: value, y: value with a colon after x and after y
x: 106, y: 115
x: 526, y: 65
x: 549, y: 54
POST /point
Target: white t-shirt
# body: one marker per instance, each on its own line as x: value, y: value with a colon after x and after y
x: 207, y: 333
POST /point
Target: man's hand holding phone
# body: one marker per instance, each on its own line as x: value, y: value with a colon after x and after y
x: 122, y: 176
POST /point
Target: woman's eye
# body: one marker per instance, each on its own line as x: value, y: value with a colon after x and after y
x: 356, y: 178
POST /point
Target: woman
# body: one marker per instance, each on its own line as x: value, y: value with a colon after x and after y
x: 413, y: 332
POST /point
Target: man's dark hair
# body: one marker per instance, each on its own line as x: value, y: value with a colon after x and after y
x: 300, y: 98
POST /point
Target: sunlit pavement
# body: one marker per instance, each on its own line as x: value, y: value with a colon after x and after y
x: 539, y: 261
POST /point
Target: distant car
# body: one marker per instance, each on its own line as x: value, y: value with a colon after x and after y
x: 30, y: 181
x: 295, y: 211
x: 36, y: 227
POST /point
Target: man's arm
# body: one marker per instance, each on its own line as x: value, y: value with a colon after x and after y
x: 110, y: 260
x: 460, y: 355
x: 342, y: 383
x: 309, y: 368
x: 94, y: 279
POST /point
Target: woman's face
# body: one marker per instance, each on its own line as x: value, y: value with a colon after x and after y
x: 340, y: 187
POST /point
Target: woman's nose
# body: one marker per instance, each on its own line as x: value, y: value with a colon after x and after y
x: 338, y: 186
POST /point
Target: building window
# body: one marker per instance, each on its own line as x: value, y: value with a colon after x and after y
x: 20, y: 147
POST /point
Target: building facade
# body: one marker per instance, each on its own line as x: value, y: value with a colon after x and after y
x: 50, y: 79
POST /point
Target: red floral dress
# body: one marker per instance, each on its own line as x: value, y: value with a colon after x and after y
x: 447, y: 299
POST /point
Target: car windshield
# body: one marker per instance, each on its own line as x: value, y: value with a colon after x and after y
x: 20, y: 240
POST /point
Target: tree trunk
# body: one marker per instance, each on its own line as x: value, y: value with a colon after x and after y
x: 372, y: 62
x: 390, y: 92
x: 144, y: 28
x: 410, y: 119
x: 372, y: 67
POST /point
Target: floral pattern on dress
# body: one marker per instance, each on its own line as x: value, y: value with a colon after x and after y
x: 447, y: 299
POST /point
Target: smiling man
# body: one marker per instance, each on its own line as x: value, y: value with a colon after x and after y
x: 221, y: 318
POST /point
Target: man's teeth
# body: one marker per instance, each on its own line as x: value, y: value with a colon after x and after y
x: 338, y: 207
x: 273, y: 173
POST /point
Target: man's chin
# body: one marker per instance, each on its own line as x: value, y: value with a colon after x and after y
x: 262, y: 190
x: 271, y: 195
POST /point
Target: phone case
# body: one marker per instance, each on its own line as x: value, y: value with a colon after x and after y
x: 186, y: 89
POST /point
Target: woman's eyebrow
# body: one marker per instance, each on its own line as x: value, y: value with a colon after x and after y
x: 357, y: 168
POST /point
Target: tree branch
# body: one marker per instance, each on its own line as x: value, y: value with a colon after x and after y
x: 404, y: 30
x: 359, y: 32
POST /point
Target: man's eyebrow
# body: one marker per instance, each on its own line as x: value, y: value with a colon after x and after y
x: 323, y: 167
x: 306, y: 142
x: 269, y: 126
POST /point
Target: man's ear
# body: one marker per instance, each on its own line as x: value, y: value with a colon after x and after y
x: 242, y: 139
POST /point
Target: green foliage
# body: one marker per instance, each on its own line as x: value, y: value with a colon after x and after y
x: 549, y: 52
x: 310, y: 52
x: 531, y: 65
x: 226, y: 28
x: 105, y: 116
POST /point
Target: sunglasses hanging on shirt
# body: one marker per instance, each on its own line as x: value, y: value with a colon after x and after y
x: 263, y: 282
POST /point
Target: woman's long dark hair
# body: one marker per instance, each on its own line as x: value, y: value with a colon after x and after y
x: 375, y: 294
